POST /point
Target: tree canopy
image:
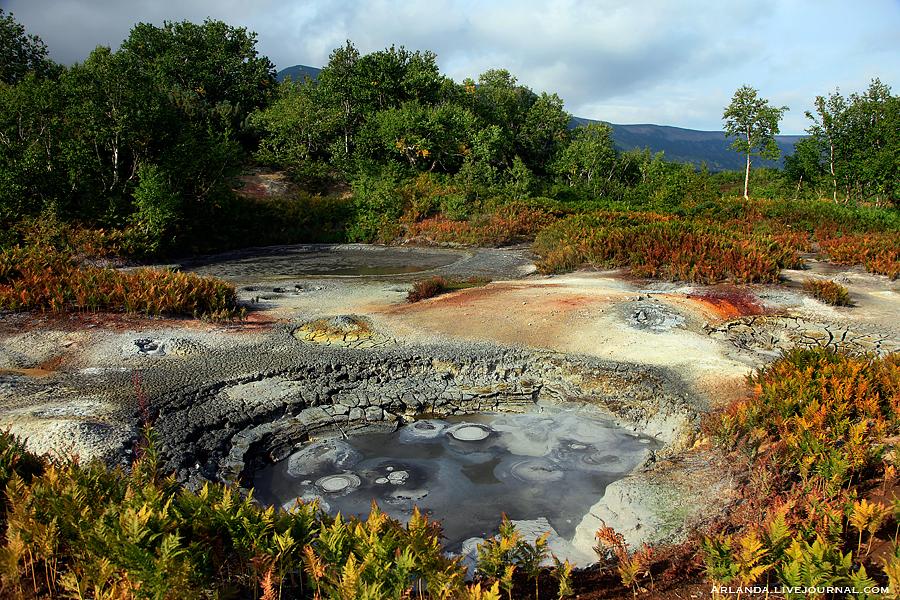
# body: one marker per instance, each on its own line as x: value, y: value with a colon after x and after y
x: 166, y: 112
x: 20, y: 52
x: 394, y: 105
x: 858, y: 142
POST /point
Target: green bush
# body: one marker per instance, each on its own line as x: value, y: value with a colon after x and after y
x: 378, y: 207
x: 158, y: 208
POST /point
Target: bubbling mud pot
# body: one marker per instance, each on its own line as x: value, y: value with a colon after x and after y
x: 551, y: 464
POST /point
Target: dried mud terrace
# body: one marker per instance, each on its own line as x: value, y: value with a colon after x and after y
x: 328, y: 353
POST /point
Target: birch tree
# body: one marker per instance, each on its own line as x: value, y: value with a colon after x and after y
x: 829, y: 126
x: 753, y: 124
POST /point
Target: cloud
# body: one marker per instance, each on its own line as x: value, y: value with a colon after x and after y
x: 624, y: 61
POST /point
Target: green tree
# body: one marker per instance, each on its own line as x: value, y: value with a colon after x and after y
x: 32, y: 166
x: 861, y: 135
x: 519, y: 180
x: 208, y: 67
x: 341, y: 84
x: 76, y: 142
x: 805, y: 165
x: 544, y: 132
x: 296, y: 130
x: 590, y: 156
x: 479, y: 174
x: 829, y: 128
x: 158, y: 207
x: 429, y: 138
x: 394, y: 75
x: 874, y: 139
x: 118, y: 118
x: 20, y: 52
x: 500, y: 101
x: 753, y: 124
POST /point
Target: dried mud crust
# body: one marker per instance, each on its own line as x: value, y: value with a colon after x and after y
x: 665, y: 501
x: 770, y: 335
x: 214, y: 404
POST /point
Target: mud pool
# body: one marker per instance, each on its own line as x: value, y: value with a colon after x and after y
x: 466, y: 471
x: 348, y: 260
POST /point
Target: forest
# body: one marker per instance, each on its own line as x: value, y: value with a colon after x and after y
x: 145, y: 142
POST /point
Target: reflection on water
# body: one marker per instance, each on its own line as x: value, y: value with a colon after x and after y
x: 465, y: 471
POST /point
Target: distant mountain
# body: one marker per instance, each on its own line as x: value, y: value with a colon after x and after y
x: 688, y: 145
x: 678, y: 144
x: 298, y: 73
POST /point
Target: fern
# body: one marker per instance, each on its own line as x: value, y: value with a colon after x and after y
x: 499, y: 557
x: 891, y: 567
x: 562, y: 572
x: 866, y: 516
x: 721, y: 565
x: 750, y: 555
x: 475, y: 592
x: 861, y: 581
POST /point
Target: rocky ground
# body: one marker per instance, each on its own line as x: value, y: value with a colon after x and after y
x: 331, y: 346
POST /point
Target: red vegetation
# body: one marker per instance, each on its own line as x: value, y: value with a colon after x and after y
x: 878, y: 252
x: 435, y: 286
x: 827, y: 291
x: 42, y: 279
x: 510, y: 224
x: 661, y: 247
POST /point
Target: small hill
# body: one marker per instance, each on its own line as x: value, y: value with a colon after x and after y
x: 298, y: 73
x: 678, y: 144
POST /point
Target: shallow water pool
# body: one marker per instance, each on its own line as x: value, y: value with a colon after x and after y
x: 287, y: 262
x: 465, y: 471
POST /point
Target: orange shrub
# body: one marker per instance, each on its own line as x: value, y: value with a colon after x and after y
x: 435, y: 286
x: 813, y: 408
x: 653, y: 246
x: 427, y: 288
x: 42, y: 279
x: 510, y: 224
x: 827, y: 291
x: 878, y: 252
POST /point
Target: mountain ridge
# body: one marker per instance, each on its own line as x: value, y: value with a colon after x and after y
x: 678, y: 144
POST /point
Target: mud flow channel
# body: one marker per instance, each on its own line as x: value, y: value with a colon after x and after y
x: 465, y: 471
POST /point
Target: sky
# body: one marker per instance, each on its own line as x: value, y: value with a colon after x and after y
x: 668, y: 62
